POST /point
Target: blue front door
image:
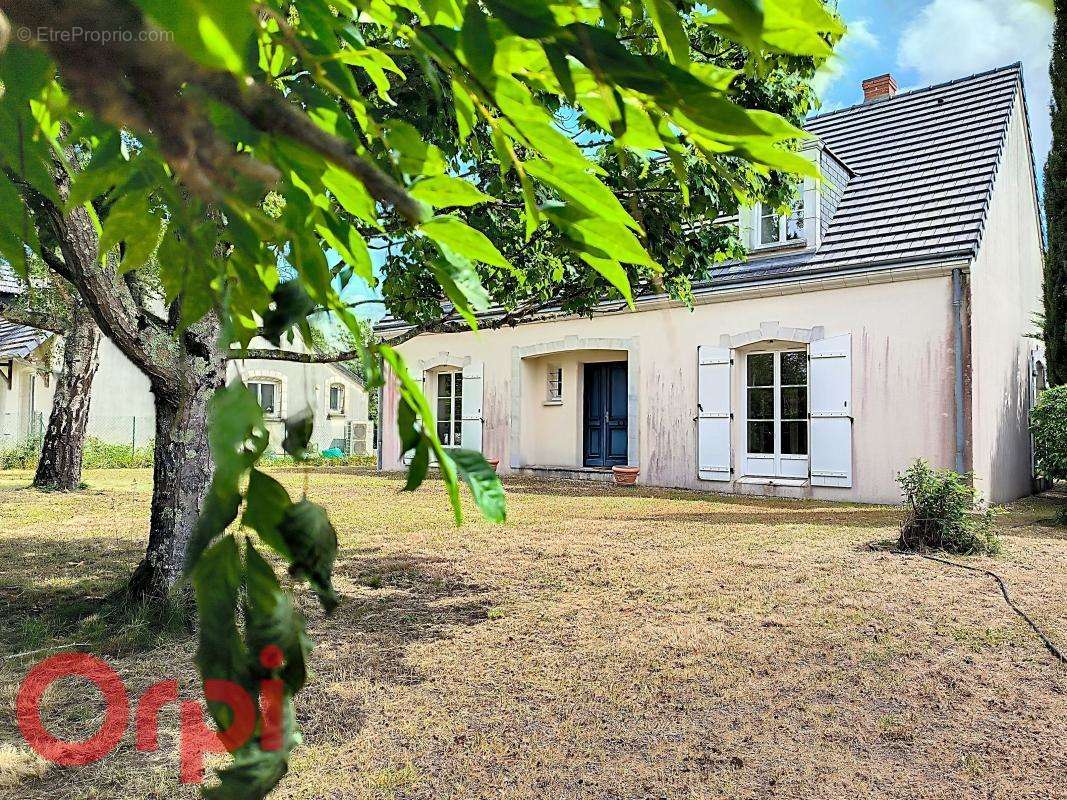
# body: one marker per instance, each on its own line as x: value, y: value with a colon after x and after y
x: 605, y: 430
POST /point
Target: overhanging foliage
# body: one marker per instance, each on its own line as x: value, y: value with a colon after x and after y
x: 260, y: 141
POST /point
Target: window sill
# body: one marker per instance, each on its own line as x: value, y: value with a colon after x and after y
x: 765, y: 481
x: 334, y: 414
x: 552, y: 403
x: 777, y: 247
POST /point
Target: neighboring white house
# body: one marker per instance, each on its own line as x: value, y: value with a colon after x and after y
x: 122, y: 410
x: 886, y: 320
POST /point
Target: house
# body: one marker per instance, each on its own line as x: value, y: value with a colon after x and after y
x: 122, y: 409
x: 885, y: 320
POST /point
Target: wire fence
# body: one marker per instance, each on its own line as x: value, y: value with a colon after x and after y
x: 123, y: 441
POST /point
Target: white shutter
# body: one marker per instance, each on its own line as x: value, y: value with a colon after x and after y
x: 713, y: 413
x: 831, y: 412
x: 473, y: 389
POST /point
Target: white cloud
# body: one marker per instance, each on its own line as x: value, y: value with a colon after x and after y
x: 859, y: 37
x: 950, y: 39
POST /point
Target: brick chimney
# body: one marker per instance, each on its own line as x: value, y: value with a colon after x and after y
x: 881, y: 88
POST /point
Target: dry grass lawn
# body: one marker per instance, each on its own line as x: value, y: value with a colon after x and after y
x: 604, y: 644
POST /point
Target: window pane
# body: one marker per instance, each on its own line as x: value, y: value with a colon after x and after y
x: 794, y: 226
x: 794, y: 438
x: 266, y: 397
x: 795, y: 368
x: 761, y: 403
x: 761, y: 369
x: 444, y: 384
x: 457, y: 435
x: 794, y: 403
x: 770, y: 229
x: 444, y: 430
x: 444, y: 409
x: 457, y: 379
x: 761, y: 438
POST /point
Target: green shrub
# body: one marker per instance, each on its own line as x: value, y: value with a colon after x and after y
x: 99, y: 454
x: 24, y: 455
x: 941, y: 513
x: 1048, y: 423
x: 366, y: 462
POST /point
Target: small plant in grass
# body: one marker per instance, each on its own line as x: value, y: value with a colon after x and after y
x: 942, y: 513
x: 1048, y: 423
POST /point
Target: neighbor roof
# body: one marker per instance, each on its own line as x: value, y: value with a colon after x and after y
x: 18, y: 341
x: 9, y: 283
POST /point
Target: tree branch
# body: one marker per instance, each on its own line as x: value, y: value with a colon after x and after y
x: 137, y: 82
x: 31, y: 318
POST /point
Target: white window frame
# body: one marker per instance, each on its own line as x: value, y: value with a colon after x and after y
x: 761, y: 210
x: 776, y: 464
x: 340, y: 410
x: 454, y: 439
x: 554, y: 385
x: 253, y: 383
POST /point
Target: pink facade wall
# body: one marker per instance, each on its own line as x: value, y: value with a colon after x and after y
x: 902, y: 378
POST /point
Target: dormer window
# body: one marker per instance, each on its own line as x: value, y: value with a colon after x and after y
x: 774, y: 229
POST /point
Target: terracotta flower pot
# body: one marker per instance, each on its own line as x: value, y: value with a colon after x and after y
x: 494, y: 463
x: 625, y: 476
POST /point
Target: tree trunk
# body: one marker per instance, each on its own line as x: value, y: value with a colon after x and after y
x: 183, y: 464
x: 60, y: 467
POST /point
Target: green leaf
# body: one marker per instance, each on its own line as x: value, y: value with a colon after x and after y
x: 216, y: 581
x: 289, y: 305
x: 670, y: 29
x: 349, y: 244
x: 460, y: 281
x: 420, y: 464
x: 351, y: 194
x: 457, y: 236
x: 477, y: 43
x: 484, y: 483
x: 298, y: 429
x: 216, y: 34
x: 444, y: 191
x: 312, y: 543
x: 410, y: 436
x: 266, y: 505
x: 236, y: 432
x: 531, y: 19
x: 582, y: 189
x: 411, y: 152
x: 413, y: 406
x: 272, y: 619
x: 747, y: 19
x: 464, y: 108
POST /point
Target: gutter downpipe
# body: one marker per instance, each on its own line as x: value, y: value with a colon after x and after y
x: 957, y: 337
x: 378, y: 430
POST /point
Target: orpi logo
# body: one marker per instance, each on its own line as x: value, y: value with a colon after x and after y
x: 196, y: 738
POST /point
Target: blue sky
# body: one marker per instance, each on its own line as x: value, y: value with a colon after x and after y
x: 922, y: 42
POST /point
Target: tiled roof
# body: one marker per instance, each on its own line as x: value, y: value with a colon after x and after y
x: 920, y: 170
x: 924, y: 163
x: 9, y: 284
x: 18, y: 341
